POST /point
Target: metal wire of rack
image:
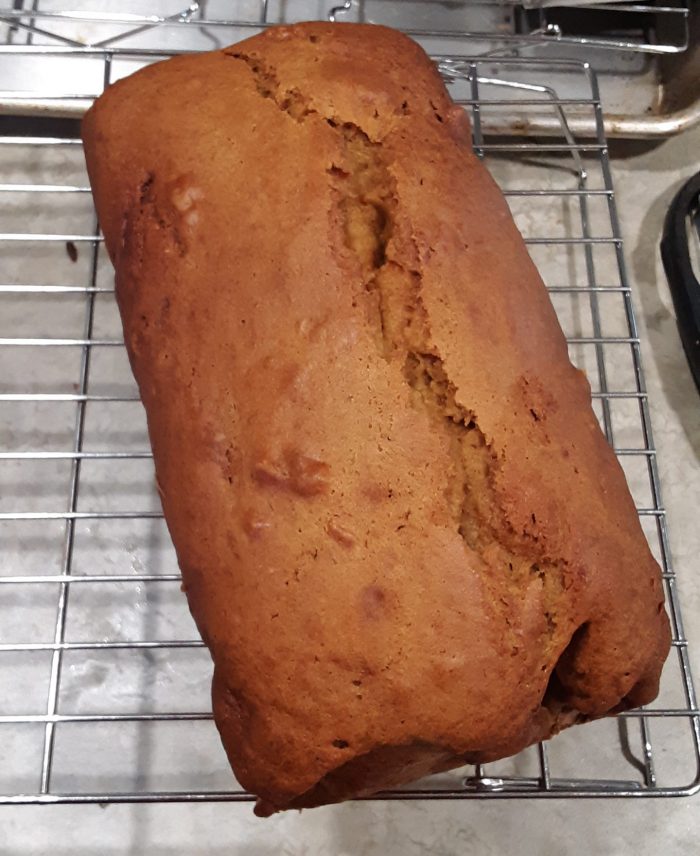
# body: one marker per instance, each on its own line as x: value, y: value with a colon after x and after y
x: 105, y: 682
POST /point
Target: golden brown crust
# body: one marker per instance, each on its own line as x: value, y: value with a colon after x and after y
x: 402, y: 534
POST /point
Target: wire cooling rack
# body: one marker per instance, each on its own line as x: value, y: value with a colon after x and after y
x: 104, y: 684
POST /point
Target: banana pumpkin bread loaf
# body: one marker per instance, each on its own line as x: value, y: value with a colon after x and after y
x: 401, y: 532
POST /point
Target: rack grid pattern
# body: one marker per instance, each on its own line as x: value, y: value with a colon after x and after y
x: 97, y: 652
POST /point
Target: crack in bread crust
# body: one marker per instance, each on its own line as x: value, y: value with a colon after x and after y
x: 367, y: 199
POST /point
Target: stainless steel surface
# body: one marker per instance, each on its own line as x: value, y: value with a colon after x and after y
x: 645, y: 53
x: 99, y: 652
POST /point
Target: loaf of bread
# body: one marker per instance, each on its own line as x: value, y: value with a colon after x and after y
x: 401, y: 532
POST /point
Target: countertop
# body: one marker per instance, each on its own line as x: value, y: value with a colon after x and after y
x: 646, y: 178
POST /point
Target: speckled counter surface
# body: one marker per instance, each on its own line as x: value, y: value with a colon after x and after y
x: 646, y: 179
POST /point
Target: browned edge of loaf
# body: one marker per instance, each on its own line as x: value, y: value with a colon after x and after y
x: 401, y: 531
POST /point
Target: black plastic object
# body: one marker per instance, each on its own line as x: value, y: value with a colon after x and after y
x: 675, y: 253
